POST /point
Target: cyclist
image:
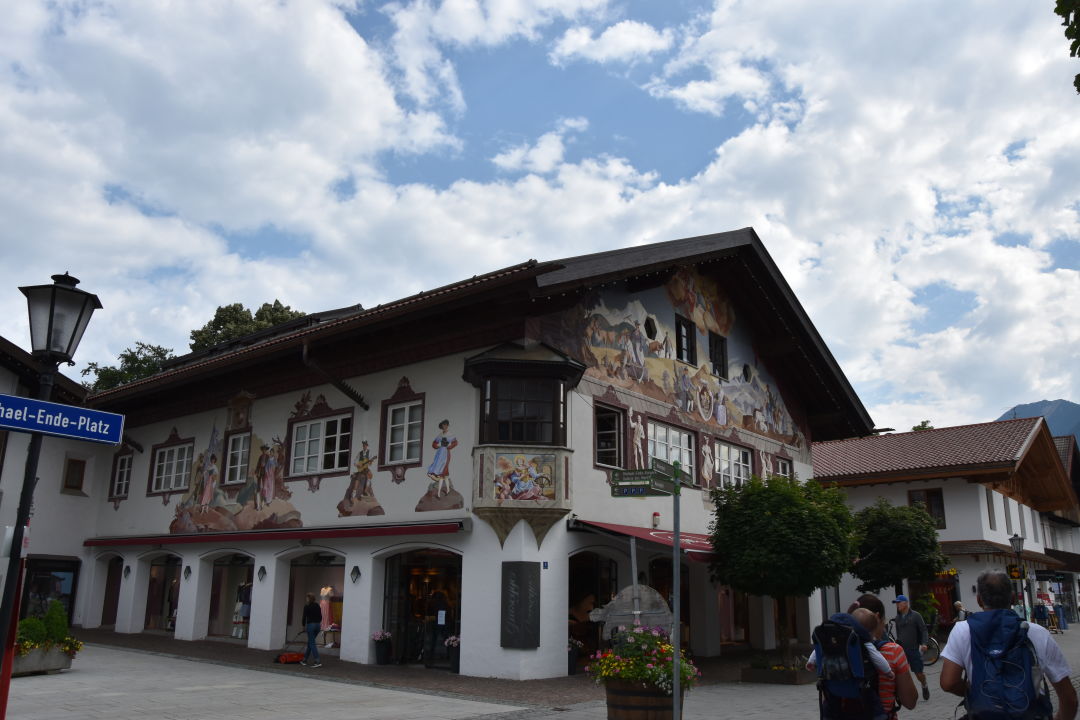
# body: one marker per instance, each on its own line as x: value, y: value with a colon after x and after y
x: 912, y: 636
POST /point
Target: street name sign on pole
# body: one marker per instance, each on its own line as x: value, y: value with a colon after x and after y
x: 49, y: 418
x: 663, y: 479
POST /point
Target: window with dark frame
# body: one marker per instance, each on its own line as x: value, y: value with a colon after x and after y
x: 672, y: 444
x: 718, y: 355
x: 74, y: 472
x: 733, y: 464
x: 172, y: 468
x: 403, y: 432
x: 1034, y: 525
x: 685, y: 340
x: 991, y: 516
x: 609, y: 436
x: 932, y: 501
x: 525, y: 410
x: 121, y: 479
x: 783, y: 467
x: 1023, y: 523
x: 1008, y: 516
x: 321, y: 445
x: 237, y: 458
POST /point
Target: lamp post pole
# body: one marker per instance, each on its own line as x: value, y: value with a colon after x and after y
x: 59, y: 314
x: 1017, y: 543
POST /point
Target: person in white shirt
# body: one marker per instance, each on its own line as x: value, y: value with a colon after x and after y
x: 995, y: 593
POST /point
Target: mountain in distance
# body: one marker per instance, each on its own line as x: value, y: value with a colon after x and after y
x: 1062, y: 416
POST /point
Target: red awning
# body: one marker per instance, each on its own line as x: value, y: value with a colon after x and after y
x: 293, y: 534
x: 696, y: 545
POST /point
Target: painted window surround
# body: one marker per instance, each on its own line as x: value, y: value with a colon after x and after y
x: 177, y: 443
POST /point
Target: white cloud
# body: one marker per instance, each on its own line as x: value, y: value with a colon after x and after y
x: 867, y: 148
x: 623, y: 42
x: 546, y: 154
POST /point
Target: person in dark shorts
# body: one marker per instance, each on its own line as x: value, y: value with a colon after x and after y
x: 912, y: 636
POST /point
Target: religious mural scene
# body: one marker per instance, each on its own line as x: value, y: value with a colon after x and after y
x: 441, y: 494
x: 636, y: 341
x: 524, y: 477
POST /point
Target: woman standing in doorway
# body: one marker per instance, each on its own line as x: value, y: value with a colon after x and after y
x: 312, y: 620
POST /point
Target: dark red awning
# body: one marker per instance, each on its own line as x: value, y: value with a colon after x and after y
x: 696, y: 545
x: 293, y: 534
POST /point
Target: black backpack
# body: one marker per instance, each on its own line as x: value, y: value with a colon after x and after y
x: 847, y: 680
x: 1002, y: 685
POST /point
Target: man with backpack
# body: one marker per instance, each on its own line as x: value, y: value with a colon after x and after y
x: 999, y: 663
x: 912, y: 636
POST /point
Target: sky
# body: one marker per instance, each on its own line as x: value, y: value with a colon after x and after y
x: 912, y: 167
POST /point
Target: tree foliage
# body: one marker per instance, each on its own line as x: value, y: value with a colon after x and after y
x: 1069, y: 10
x: 135, y: 363
x: 235, y: 321
x: 895, y: 543
x: 924, y: 425
x: 780, y: 537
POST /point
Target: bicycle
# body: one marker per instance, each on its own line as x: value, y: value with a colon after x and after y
x: 932, y: 653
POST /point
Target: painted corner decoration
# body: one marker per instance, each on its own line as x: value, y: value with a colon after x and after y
x: 679, y: 344
x: 441, y: 494
x: 360, y: 497
x: 520, y: 476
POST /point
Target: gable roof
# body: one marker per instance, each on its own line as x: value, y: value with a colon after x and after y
x: 790, y: 344
x: 1016, y: 457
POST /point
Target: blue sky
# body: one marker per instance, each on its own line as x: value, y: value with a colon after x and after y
x: 918, y: 184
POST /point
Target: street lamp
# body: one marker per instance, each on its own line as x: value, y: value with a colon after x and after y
x: 1017, y: 543
x: 59, y: 314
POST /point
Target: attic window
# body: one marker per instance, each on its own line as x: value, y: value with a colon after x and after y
x: 685, y: 340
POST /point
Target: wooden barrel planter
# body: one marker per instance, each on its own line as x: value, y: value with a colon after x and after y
x: 634, y: 701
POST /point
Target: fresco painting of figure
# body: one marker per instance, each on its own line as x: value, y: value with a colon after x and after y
x: 520, y: 476
x: 626, y: 340
x: 441, y: 494
x: 360, y: 493
x: 260, y: 502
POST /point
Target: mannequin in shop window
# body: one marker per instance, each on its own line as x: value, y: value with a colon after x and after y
x: 243, y: 602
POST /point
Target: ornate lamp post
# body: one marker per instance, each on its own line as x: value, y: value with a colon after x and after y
x: 59, y: 314
x: 1017, y: 543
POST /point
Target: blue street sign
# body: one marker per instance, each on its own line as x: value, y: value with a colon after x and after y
x: 27, y: 415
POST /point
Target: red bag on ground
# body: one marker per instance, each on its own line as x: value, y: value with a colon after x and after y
x: 287, y: 658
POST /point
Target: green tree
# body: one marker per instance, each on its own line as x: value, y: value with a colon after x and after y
x: 236, y: 321
x: 1069, y: 10
x: 895, y: 543
x: 136, y: 363
x: 924, y: 425
x: 781, y: 537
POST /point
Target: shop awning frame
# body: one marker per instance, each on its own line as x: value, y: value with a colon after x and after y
x: 323, y: 533
x: 696, y: 546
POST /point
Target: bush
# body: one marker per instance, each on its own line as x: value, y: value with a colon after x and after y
x: 32, y: 632
x: 56, y: 622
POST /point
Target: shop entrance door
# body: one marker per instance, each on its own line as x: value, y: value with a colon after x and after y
x: 421, y: 605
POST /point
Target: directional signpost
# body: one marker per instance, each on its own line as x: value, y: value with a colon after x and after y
x: 663, y: 478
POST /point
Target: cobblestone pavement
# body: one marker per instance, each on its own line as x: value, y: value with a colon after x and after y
x: 138, y: 683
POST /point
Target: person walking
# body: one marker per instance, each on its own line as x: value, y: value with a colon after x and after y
x: 312, y: 620
x: 899, y: 690
x: 998, y: 622
x: 912, y: 636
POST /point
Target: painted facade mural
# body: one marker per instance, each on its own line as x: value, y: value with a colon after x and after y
x: 632, y: 341
x: 360, y: 492
x: 441, y: 494
x: 524, y: 477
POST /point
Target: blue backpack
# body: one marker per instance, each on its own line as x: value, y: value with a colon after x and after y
x: 847, y: 680
x: 1003, y: 661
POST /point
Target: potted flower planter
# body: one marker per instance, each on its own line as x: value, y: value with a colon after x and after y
x: 455, y: 658
x: 382, y: 652
x: 636, y: 701
x: 39, y: 661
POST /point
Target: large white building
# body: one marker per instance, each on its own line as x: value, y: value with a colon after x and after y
x: 442, y: 464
